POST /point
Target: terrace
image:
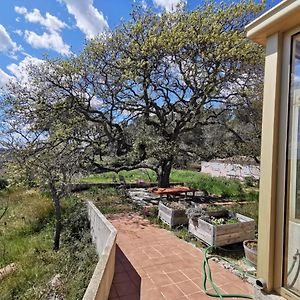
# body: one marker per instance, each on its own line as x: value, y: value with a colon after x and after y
x: 152, y: 263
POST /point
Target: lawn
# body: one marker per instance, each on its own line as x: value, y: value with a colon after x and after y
x: 216, y: 186
x: 26, y: 232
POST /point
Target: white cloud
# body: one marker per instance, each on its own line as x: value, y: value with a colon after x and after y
x: 51, y: 22
x: 51, y: 40
x: 6, y: 43
x: 4, y: 79
x: 20, y: 71
x: 20, y: 10
x: 18, y: 32
x: 168, y: 5
x: 88, y: 18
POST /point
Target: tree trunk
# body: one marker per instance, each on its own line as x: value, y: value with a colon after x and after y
x: 57, y: 209
x: 164, y: 172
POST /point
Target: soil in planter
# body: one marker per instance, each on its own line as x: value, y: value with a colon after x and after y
x: 221, y: 221
x: 177, y: 205
x: 252, y: 245
x: 220, y: 218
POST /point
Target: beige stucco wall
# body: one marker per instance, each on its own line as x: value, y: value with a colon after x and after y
x: 268, y: 168
x: 274, y: 29
x: 104, y: 236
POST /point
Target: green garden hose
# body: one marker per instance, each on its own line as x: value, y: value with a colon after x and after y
x: 207, y: 276
x: 293, y: 265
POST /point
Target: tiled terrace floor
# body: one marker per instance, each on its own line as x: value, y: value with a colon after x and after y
x: 153, y: 264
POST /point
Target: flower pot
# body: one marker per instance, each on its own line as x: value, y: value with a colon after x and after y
x: 250, y: 248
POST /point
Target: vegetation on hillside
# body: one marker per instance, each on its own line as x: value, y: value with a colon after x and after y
x: 26, y: 233
x: 214, y: 186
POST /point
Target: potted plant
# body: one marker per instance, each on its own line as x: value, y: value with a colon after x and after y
x: 250, y: 248
x: 173, y: 212
x: 220, y: 228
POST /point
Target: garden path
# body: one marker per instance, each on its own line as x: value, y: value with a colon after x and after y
x: 152, y: 263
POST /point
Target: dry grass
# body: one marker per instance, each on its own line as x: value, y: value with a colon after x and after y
x: 26, y: 233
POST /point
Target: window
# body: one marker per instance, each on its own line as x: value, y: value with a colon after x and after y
x: 292, y: 247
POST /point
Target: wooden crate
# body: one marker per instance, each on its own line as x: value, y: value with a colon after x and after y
x: 171, y: 216
x: 222, y: 235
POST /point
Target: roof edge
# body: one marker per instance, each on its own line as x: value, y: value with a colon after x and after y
x: 281, y: 17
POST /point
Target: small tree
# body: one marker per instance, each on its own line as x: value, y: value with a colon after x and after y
x: 40, y: 156
x: 52, y: 167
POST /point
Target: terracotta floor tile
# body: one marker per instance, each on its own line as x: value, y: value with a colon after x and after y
x: 131, y: 297
x: 230, y: 288
x: 113, y: 292
x: 191, y: 273
x: 188, y: 287
x: 126, y: 288
x: 200, y: 296
x: 119, y: 268
x: 198, y: 281
x: 171, y: 292
x: 147, y: 284
x: 220, y: 279
x: 152, y: 294
x: 152, y: 262
x: 121, y: 277
x: 177, y: 276
x: 160, y: 279
x: 170, y: 267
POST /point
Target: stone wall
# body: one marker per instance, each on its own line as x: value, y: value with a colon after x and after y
x: 230, y: 170
x: 104, y: 237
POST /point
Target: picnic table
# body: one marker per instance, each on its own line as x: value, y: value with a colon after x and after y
x: 173, y: 191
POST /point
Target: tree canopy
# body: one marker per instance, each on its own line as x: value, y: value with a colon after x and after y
x: 158, y: 87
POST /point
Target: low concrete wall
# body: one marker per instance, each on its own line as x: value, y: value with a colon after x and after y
x: 104, y: 237
x: 230, y: 170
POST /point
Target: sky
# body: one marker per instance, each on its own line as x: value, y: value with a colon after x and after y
x: 31, y: 29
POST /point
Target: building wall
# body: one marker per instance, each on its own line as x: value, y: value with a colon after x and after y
x: 230, y: 170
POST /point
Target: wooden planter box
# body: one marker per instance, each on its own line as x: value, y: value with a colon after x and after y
x: 171, y: 216
x: 222, y: 235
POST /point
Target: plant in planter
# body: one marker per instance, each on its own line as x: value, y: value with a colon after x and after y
x: 219, y: 228
x: 250, y: 248
x: 173, y: 212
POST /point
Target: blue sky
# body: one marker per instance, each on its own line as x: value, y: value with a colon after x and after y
x: 29, y: 29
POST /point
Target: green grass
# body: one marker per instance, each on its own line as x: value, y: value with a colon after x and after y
x: 109, y: 200
x: 214, y: 186
x: 133, y: 176
x: 26, y: 233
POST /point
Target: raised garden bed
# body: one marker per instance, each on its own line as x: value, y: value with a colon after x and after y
x: 220, y: 228
x: 173, y: 213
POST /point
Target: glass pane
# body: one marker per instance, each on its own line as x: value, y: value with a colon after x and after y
x: 292, y: 259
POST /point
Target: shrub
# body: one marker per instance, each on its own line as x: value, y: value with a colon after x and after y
x: 218, y: 186
x: 250, y: 181
x: 3, y: 183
